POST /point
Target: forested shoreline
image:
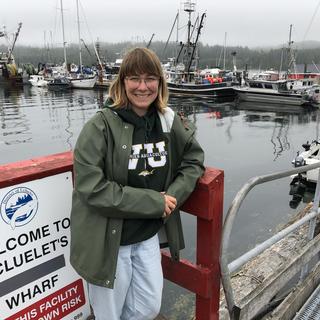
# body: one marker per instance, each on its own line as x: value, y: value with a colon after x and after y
x: 210, y: 56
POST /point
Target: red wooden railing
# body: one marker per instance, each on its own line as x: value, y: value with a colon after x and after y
x: 206, y: 203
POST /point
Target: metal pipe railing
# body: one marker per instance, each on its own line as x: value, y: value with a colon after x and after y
x: 226, y: 268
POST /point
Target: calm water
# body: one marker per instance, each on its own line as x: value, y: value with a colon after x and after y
x: 239, y: 139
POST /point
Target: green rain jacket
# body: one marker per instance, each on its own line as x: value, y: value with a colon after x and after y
x: 102, y: 199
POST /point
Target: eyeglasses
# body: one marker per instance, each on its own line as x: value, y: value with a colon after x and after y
x: 149, y: 81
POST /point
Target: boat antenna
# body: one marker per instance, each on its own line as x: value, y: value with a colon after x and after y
x: 315, y: 66
x: 175, y: 21
x: 79, y: 38
x: 311, y: 21
x: 14, y: 41
x: 195, y: 43
x: 149, y: 43
x: 292, y: 59
x: 189, y: 7
x: 63, y: 36
x: 224, y: 51
x: 88, y: 50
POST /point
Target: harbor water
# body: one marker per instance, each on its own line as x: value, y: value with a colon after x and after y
x: 244, y: 140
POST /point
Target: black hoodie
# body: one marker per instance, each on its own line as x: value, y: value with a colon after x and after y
x: 148, y: 167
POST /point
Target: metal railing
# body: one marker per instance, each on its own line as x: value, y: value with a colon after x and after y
x: 246, y: 312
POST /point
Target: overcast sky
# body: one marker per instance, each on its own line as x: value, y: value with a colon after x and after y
x: 245, y: 22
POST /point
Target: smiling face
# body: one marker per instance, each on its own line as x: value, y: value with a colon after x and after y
x: 140, y: 82
x: 141, y: 91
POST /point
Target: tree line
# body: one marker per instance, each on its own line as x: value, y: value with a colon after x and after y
x: 209, y: 56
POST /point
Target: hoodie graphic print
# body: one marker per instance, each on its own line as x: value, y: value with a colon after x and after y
x: 147, y: 168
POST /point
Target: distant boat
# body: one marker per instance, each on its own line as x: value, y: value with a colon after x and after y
x: 220, y: 87
x: 277, y: 92
x: 38, y: 80
x: 9, y: 73
x: 184, y: 77
x: 82, y: 80
x: 58, y: 84
x: 310, y: 155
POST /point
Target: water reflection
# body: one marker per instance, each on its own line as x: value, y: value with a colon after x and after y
x: 15, y: 126
x: 36, y: 121
x: 216, y: 110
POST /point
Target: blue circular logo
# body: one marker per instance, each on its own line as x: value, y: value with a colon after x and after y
x: 19, y: 206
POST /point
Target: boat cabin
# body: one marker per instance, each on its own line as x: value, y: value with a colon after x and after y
x: 279, y: 85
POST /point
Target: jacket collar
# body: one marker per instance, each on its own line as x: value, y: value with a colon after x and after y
x: 166, y: 119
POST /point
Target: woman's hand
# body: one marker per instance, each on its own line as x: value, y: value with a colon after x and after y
x: 170, y: 205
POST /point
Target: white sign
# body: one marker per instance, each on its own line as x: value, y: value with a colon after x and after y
x: 36, y: 278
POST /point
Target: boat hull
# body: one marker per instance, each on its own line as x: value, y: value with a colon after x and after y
x: 85, y: 83
x: 211, y: 90
x: 269, y: 97
x: 38, y: 81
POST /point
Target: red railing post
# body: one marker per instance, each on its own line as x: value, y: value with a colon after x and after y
x: 206, y: 203
x: 208, y: 199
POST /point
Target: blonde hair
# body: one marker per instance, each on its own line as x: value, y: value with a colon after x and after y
x: 139, y: 61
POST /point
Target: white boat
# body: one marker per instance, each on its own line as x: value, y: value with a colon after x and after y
x: 310, y: 155
x: 279, y: 92
x: 38, y: 80
x: 83, y: 81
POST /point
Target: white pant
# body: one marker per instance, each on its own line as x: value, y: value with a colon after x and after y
x: 138, y: 286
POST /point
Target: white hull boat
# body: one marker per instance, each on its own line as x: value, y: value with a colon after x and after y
x: 83, y: 82
x: 277, y: 92
x: 38, y: 81
x: 310, y: 155
x: 268, y: 96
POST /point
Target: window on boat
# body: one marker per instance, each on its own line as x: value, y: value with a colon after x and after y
x: 283, y: 87
x: 256, y: 85
x: 268, y: 86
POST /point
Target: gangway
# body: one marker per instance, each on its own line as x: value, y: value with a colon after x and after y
x: 250, y: 306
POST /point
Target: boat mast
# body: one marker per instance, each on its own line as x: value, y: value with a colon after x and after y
x: 189, y: 7
x: 224, y: 51
x: 194, y: 45
x: 291, y: 57
x: 63, y: 36
x: 175, y: 21
x: 149, y: 43
x: 14, y: 41
x: 79, y: 38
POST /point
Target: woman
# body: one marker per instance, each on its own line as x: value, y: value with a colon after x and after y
x: 135, y: 163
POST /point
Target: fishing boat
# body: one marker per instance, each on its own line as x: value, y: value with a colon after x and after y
x: 9, y: 73
x: 199, y: 86
x: 287, y: 88
x: 184, y: 77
